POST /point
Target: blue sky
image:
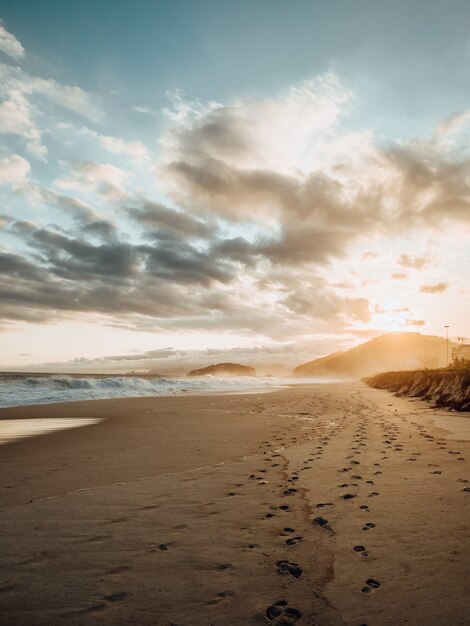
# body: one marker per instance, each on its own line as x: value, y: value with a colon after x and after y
x: 409, y: 58
x: 233, y: 157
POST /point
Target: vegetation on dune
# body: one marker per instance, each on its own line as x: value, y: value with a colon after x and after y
x: 447, y: 387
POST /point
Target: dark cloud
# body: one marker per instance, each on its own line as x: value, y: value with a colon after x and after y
x: 157, y: 217
x: 257, y: 221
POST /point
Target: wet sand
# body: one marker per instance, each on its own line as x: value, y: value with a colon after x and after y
x: 322, y: 504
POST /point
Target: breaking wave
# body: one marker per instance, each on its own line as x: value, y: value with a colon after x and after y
x: 23, y: 390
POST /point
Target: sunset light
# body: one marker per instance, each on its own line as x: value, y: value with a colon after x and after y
x: 234, y: 312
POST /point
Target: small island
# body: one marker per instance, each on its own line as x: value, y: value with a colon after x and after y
x: 224, y: 369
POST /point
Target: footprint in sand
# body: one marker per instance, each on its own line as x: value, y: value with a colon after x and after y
x: 221, y: 596
x: 322, y: 522
x: 371, y: 584
x: 293, y: 540
x: 281, y: 608
x: 288, y: 567
x: 223, y: 567
x: 276, y: 610
x: 116, y: 597
x: 368, y: 526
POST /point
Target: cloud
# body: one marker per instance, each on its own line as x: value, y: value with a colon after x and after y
x: 10, y: 45
x: 14, y: 169
x: 437, y: 288
x: 22, y: 98
x: 159, y: 219
x: 278, y: 359
x: 311, y: 188
x: 103, y: 179
x: 411, y: 322
x: 418, y: 263
x: 169, y: 281
x: 16, y: 118
x: 117, y: 145
x: 270, y: 204
x: 144, y: 110
x: 453, y: 123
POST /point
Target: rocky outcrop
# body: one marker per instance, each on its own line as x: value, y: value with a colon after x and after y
x: 444, y: 387
x: 224, y: 369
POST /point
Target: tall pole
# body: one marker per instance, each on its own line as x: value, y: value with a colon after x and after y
x: 447, y: 344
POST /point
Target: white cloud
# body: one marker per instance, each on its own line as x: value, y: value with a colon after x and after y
x: 103, y: 179
x: 14, y: 169
x: 68, y: 97
x: 17, y: 118
x: 280, y: 134
x: 10, y: 45
x: 117, y: 145
x: 21, y: 106
x: 144, y: 110
x: 453, y: 123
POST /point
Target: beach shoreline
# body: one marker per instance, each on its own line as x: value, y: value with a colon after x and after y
x: 238, y: 509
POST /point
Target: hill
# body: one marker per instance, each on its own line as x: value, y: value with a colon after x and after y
x: 393, y: 351
x: 224, y: 369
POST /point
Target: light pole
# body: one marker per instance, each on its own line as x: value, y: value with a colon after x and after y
x: 447, y: 344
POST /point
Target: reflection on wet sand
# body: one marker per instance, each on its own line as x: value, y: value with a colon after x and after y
x: 11, y: 430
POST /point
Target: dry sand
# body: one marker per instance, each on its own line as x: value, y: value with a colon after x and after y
x: 201, y: 510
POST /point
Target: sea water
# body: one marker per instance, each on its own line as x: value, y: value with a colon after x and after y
x: 24, y: 390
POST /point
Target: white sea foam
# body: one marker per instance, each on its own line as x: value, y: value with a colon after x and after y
x: 25, y: 390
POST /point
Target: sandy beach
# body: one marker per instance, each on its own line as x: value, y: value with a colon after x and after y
x: 313, y: 504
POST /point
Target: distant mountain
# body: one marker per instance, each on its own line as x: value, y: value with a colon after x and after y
x: 224, y: 369
x: 394, y: 351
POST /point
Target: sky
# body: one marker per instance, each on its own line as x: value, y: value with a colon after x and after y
x: 262, y: 181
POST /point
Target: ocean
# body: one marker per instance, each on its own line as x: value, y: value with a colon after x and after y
x: 21, y: 390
